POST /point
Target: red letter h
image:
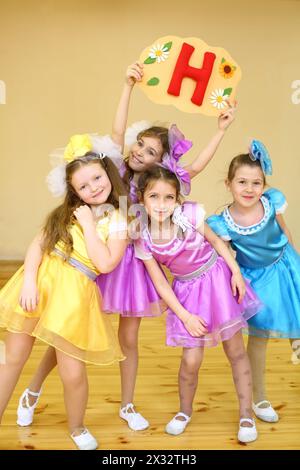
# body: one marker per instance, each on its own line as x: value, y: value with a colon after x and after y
x: 183, y: 69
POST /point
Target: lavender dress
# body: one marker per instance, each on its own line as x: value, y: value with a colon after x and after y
x: 202, y: 283
x: 128, y: 289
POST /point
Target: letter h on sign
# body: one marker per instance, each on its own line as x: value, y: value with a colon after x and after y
x: 183, y: 69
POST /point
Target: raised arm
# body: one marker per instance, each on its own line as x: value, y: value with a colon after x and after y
x: 237, y: 281
x: 134, y: 73
x: 105, y: 256
x: 29, y: 294
x: 224, y: 121
x: 194, y: 325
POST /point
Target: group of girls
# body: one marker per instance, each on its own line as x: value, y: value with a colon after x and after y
x: 90, y: 259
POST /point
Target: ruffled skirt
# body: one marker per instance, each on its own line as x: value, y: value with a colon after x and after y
x: 278, y: 287
x: 68, y: 315
x: 129, y: 290
x: 210, y: 297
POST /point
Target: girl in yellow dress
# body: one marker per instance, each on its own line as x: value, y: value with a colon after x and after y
x: 53, y: 296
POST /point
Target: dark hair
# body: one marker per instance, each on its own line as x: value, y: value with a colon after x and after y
x: 241, y: 160
x: 59, y: 221
x: 157, y: 173
x: 158, y: 132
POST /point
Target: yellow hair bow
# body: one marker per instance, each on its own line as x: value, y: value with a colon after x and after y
x: 78, y: 146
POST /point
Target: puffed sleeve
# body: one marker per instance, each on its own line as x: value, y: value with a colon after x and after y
x: 117, y: 223
x: 194, y: 212
x: 142, y: 249
x: 217, y: 224
x: 277, y: 199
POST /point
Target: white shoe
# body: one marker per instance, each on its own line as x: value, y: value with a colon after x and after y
x: 267, y: 414
x: 177, y: 426
x: 85, y: 441
x: 135, y: 421
x: 245, y: 433
x: 25, y: 413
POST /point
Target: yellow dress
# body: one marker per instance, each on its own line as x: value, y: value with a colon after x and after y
x: 68, y: 315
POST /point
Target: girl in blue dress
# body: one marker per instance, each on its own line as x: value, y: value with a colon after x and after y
x: 256, y: 230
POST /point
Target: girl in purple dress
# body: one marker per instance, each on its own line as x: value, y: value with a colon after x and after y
x: 128, y: 290
x: 208, y: 302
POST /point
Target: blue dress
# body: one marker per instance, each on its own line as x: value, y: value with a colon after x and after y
x: 270, y: 263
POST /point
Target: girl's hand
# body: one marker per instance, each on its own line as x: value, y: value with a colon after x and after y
x: 29, y: 297
x: 195, y: 325
x: 84, y: 215
x: 238, y: 285
x: 227, y: 117
x: 134, y: 73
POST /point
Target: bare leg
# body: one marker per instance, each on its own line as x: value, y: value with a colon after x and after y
x: 257, y: 348
x: 18, y: 347
x: 241, y: 371
x: 47, y: 363
x: 128, y: 337
x: 74, y: 378
x: 188, y: 378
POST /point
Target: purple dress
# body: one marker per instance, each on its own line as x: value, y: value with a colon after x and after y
x: 128, y: 289
x: 202, y: 283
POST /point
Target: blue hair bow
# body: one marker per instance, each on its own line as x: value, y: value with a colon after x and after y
x: 259, y: 152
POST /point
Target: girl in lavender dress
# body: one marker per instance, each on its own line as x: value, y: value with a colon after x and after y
x: 208, y: 302
x: 128, y: 290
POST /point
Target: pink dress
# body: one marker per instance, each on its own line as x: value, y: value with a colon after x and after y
x: 202, y: 283
x: 128, y: 290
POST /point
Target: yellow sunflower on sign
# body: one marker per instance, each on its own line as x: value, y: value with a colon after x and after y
x: 226, y: 69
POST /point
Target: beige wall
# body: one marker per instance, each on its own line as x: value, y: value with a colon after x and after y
x: 63, y: 64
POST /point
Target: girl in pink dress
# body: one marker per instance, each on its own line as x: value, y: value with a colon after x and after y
x: 208, y: 302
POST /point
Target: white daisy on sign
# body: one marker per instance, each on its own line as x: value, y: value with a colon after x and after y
x: 159, y: 52
x: 218, y: 98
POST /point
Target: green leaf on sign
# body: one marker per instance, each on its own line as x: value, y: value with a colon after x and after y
x: 223, y: 60
x: 153, y: 81
x: 227, y: 91
x: 149, y: 60
x: 168, y: 46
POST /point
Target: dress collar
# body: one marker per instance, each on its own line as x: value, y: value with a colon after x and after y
x: 251, y: 228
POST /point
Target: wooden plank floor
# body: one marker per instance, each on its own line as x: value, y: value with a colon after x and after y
x: 214, y: 423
